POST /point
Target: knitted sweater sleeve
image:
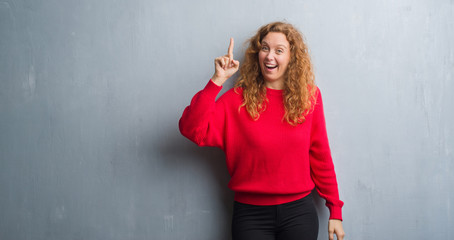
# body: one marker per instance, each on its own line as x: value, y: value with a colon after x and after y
x: 203, y: 120
x: 322, y: 167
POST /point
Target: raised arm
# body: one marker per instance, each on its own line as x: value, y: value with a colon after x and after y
x: 203, y: 120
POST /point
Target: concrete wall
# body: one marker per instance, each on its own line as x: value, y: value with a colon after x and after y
x: 91, y: 93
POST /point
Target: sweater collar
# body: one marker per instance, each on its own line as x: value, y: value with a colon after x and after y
x: 274, y: 92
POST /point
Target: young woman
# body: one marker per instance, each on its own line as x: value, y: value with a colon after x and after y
x: 271, y: 127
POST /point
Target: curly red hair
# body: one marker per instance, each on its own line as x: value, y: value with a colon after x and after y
x: 299, y: 84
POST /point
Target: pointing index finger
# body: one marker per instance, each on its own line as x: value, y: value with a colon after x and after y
x: 230, y: 51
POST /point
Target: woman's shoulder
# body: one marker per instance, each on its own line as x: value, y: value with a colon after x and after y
x: 232, y: 95
x: 234, y: 92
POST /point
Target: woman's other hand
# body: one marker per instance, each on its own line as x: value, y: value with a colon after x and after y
x: 225, y: 66
x: 335, y: 227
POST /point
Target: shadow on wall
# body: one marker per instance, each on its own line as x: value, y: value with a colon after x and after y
x: 177, y: 154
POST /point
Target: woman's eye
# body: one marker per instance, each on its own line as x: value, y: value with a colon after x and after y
x: 280, y: 51
x: 264, y: 48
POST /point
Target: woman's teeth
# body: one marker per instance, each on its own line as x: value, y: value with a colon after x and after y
x: 270, y: 66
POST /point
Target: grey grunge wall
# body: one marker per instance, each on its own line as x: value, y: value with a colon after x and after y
x: 91, y: 93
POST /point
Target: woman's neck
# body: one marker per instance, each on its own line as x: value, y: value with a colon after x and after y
x: 276, y: 85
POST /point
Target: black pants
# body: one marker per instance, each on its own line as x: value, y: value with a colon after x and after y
x: 288, y: 221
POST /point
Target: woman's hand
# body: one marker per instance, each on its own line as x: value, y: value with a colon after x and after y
x: 225, y: 66
x: 335, y: 227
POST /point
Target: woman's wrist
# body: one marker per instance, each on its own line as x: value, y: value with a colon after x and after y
x: 218, y: 81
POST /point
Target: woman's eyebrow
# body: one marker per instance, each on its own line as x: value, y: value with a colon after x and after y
x: 282, y: 45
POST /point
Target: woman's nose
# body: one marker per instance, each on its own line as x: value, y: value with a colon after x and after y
x: 269, y: 56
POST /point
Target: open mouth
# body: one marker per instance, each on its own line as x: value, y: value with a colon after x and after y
x: 270, y: 67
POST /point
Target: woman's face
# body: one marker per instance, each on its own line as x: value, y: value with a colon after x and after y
x: 274, y: 57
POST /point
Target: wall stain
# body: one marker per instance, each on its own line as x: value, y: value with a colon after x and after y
x: 168, y: 223
x: 32, y: 80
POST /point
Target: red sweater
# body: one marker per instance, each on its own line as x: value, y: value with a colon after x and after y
x: 270, y: 162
